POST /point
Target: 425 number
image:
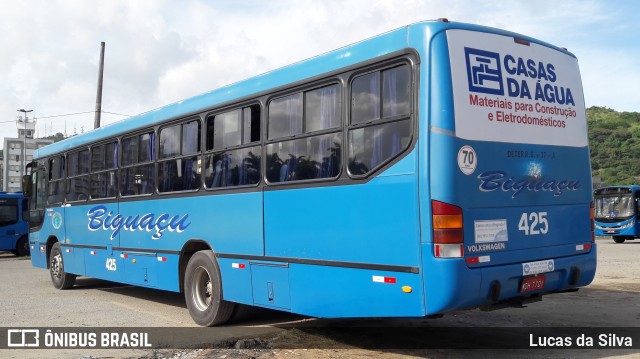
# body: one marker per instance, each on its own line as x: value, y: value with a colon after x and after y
x: 111, y: 264
x: 534, y: 223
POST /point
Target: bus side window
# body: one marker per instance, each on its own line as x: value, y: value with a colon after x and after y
x: 103, y: 180
x: 234, y: 158
x: 137, y: 175
x: 307, y: 126
x: 380, y: 125
x: 78, y: 176
x: 178, y: 167
x: 38, y: 197
x: 57, y: 174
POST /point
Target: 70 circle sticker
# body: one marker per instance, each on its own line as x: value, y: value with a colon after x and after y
x: 467, y: 160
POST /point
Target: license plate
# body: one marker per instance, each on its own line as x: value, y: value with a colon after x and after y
x: 532, y: 283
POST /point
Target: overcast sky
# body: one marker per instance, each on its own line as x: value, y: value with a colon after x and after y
x: 162, y: 51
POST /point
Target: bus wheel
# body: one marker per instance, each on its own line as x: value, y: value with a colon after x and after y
x: 59, y: 278
x: 203, y: 291
x: 22, y: 247
x: 619, y: 239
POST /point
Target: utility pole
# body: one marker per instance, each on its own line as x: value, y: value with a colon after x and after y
x: 24, y: 142
x: 96, y: 121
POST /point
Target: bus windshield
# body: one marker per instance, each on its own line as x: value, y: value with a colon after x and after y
x: 614, y: 207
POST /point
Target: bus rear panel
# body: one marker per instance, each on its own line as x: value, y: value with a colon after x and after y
x: 509, y: 172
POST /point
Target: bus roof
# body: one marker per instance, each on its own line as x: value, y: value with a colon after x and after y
x: 11, y: 194
x: 380, y: 45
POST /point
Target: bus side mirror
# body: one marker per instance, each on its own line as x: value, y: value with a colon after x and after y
x: 26, y: 185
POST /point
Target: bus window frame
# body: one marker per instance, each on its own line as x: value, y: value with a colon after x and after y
x: 198, y: 153
x: 411, y: 117
x: 103, y: 170
x: 153, y: 162
x: 210, y: 115
x: 336, y: 79
x: 76, y: 151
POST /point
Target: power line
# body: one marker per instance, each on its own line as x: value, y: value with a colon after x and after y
x: 81, y: 113
x: 70, y: 114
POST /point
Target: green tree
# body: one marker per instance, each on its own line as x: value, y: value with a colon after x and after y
x: 614, y: 140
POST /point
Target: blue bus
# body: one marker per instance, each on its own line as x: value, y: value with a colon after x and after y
x: 436, y: 167
x: 14, y: 230
x: 617, y: 211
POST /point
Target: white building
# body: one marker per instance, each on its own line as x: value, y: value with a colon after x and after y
x: 16, y: 150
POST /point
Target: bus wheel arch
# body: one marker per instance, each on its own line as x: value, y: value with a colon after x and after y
x: 50, y: 242
x: 22, y: 247
x: 202, y: 283
x: 188, y: 250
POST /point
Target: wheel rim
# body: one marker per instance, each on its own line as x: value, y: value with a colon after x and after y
x: 56, y: 266
x: 202, y: 288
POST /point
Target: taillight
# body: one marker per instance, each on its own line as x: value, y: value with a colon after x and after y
x: 592, y: 212
x: 448, y: 234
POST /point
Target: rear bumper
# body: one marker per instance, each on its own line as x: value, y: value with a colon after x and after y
x: 451, y: 285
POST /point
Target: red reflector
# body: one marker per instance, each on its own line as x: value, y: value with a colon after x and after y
x: 587, y: 246
x: 162, y: 259
x: 381, y: 279
x: 472, y: 260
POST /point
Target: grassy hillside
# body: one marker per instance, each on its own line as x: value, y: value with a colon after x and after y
x: 614, y: 138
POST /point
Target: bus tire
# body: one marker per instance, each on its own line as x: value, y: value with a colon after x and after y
x: 203, y: 291
x: 618, y: 239
x: 22, y: 247
x: 59, y: 278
